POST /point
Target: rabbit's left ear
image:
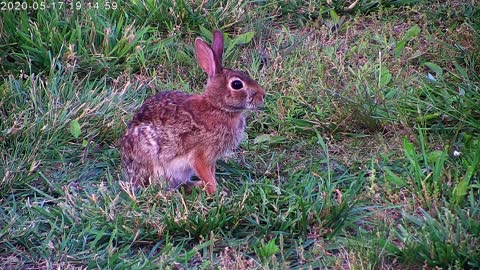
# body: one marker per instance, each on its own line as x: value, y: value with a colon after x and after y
x: 217, y: 45
x: 206, y: 58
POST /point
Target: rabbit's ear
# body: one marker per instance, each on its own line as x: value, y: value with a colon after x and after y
x: 217, y: 45
x: 206, y: 58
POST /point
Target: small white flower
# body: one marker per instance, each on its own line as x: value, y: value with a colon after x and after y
x: 456, y: 153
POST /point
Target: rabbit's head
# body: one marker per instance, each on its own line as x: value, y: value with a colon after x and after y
x: 227, y: 89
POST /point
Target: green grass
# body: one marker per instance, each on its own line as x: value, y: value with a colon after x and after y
x: 366, y: 155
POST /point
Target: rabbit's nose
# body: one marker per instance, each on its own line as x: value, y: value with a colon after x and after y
x: 261, y: 94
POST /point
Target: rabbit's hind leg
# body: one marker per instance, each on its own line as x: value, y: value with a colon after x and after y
x: 137, y: 173
x: 140, y: 148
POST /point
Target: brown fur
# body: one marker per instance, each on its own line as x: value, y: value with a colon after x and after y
x: 175, y: 135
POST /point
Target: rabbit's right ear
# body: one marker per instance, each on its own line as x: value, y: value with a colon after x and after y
x: 206, y: 58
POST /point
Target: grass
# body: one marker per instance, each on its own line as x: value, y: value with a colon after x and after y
x: 366, y: 155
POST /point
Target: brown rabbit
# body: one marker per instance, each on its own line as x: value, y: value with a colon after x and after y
x: 175, y: 135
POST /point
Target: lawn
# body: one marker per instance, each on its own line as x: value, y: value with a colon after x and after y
x: 366, y: 154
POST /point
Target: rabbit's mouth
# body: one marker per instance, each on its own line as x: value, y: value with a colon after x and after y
x: 254, y: 104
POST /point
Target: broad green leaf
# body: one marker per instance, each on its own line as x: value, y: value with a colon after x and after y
x: 460, y: 191
x: 399, y: 47
x: 435, y: 68
x: 75, y: 129
x: 206, y: 33
x: 412, y: 32
x: 385, y: 77
x: 434, y: 155
x: 427, y: 117
x: 412, y: 157
x: 393, y: 178
x: 334, y: 16
x: 244, y: 38
x: 268, y: 250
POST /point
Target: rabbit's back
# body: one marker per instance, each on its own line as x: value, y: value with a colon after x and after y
x: 161, y: 109
x: 158, y: 124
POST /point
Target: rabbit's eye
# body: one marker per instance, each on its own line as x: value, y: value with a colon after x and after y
x: 236, y: 84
